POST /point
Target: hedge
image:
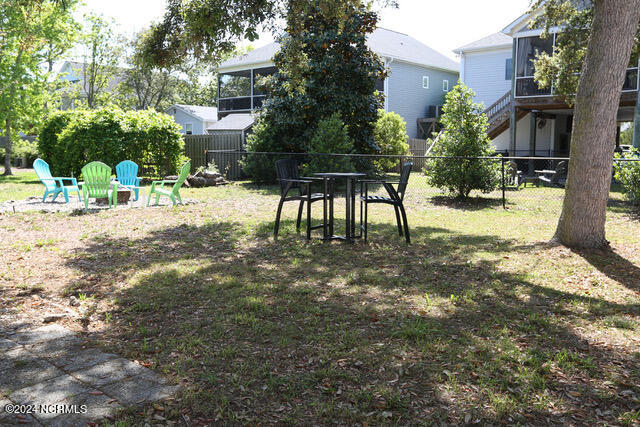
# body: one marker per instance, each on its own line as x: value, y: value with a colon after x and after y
x: 71, y: 139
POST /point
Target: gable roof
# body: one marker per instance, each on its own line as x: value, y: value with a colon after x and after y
x: 205, y: 113
x: 496, y: 40
x: 240, y: 121
x: 523, y: 21
x: 77, y: 70
x: 385, y: 43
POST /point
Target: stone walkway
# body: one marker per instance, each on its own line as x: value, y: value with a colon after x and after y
x: 51, y: 370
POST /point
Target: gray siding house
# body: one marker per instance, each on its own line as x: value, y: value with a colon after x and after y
x: 526, y: 120
x: 419, y: 78
x: 194, y: 119
x: 486, y: 67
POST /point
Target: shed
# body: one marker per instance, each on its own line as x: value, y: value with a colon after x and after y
x: 233, y: 124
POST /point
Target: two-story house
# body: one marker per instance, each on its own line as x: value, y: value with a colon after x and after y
x: 525, y: 120
x: 419, y: 78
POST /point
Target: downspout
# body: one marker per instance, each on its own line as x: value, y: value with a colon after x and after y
x: 636, y: 117
x: 387, y: 62
x: 513, y: 118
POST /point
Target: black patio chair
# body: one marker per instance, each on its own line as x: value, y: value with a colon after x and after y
x: 396, y: 197
x: 289, y: 179
x: 513, y: 178
x: 558, y: 178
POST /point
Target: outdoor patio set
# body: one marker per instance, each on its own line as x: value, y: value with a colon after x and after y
x: 289, y: 179
x: 100, y: 185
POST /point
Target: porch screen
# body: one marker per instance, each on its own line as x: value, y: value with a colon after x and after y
x: 528, y: 50
x: 232, y: 85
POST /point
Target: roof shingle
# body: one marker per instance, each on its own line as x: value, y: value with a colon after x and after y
x: 385, y: 43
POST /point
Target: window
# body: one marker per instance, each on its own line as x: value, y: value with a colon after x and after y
x: 425, y: 82
x: 508, y: 69
x: 445, y: 85
x: 188, y: 128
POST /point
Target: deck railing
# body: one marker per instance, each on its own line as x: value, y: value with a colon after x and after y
x: 499, y: 107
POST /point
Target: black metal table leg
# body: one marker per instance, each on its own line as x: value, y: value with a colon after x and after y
x: 348, y: 213
x: 324, y: 210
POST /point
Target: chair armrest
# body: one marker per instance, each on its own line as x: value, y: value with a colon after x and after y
x: 378, y: 181
x: 302, y: 181
x: 61, y: 180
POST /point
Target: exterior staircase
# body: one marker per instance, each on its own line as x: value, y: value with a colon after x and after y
x: 498, y: 115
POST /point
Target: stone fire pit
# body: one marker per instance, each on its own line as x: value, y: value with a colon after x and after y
x: 123, y: 197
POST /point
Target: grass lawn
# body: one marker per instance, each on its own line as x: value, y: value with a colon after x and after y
x: 22, y: 184
x: 478, y: 320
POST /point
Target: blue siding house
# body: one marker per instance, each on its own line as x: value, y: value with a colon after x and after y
x: 194, y: 119
x: 419, y: 78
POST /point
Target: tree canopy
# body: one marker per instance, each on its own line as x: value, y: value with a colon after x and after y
x: 31, y: 32
x: 209, y: 29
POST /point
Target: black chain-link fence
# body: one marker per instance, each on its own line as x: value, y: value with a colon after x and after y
x: 524, y: 183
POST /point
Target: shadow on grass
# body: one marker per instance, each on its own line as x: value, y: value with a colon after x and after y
x: 469, y: 204
x: 614, y: 266
x: 296, y: 332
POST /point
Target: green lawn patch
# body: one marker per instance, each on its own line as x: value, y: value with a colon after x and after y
x: 478, y: 320
x: 22, y: 184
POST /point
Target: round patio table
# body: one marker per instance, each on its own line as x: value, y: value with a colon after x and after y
x: 350, y: 201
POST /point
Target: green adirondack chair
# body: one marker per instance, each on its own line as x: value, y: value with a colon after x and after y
x: 97, y: 184
x: 157, y: 187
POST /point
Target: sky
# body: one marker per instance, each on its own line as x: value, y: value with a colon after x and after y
x: 441, y: 24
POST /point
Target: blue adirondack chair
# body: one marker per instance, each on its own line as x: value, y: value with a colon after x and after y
x: 54, y: 185
x: 127, y: 175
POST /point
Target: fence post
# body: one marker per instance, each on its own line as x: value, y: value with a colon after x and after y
x: 504, y: 201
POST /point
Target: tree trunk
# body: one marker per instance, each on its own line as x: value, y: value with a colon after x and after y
x: 7, y: 148
x: 582, y: 222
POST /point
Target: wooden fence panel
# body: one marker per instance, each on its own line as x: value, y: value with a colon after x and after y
x: 418, y: 147
x: 196, y: 145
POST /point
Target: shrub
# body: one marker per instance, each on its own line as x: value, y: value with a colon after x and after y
x: 331, y: 136
x: 72, y: 139
x: 25, y: 149
x: 390, y: 132
x: 267, y: 136
x: 465, y: 135
x: 628, y: 173
x: 48, y: 145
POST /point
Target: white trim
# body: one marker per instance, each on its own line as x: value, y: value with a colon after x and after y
x: 536, y: 32
x: 245, y: 67
x: 509, y: 29
x: 462, y: 70
x: 406, y: 61
x: 387, y: 62
x: 496, y: 48
x: 188, y: 113
x: 186, y: 132
x: 423, y: 80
